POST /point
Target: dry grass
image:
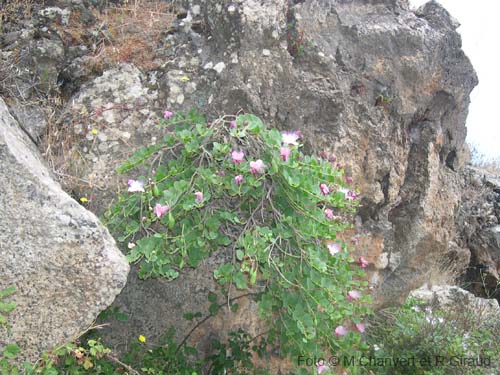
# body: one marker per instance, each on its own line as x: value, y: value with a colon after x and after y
x: 12, y: 11
x: 446, y: 272
x: 131, y: 33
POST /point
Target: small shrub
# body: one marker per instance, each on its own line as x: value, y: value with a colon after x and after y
x: 237, y: 187
x: 441, y: 341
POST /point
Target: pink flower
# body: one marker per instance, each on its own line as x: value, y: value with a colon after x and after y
x: 161, y: 210
x: 329, y: 213
x: 333, y: 248
x: 167, y: 114
x: 349, y: 180
x: 324, y: 189
x: 340, y: 331
x: 363, y: 263
x: 238, y: 179
x: 232, y: 124
x: 135, y: 186
x: 321, y: 367
x: 353, y: 294
x: 257, y: 167
x: 290, y: 138
x: 351, y: 195
x: 285, y: 153
x: 360, y: 327
x: 238, y: 156
x: 199, y: 196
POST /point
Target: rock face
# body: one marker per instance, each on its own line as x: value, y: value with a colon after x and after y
x: 382, y: 87
x: 478, y: 229
x: 64, y: 263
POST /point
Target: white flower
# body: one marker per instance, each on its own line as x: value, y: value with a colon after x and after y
x: 135, y: 186
x: 290, y: 138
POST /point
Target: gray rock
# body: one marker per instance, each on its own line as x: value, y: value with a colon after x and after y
x: 64, y: 263
x: 477, y: 225
x: 452, y: 296
x: 31, y: 118
x: 120, y: 107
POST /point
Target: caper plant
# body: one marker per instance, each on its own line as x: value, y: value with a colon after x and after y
x: 238, y: 187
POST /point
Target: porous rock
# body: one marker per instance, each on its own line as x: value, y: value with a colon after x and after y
x: 64, y: 263
x: 107, y: 120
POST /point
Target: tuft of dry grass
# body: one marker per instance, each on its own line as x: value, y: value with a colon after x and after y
x: 131, y: 32
x: 12, y: 11
x: 446, y: 272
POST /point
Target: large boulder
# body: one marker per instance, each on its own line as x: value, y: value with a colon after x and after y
x: 64, y: 263
x: 382, y: 87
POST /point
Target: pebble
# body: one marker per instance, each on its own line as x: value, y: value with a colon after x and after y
x: 219, y: 67
x: 196, y: 10
x: 234, y: 58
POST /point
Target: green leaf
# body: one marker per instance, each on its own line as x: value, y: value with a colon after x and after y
x: 121, y: 317
x: 7, y: 291
x: 240, y: 280
x: 188, y: 316
x: 214, y: 308
x: 87, y: 364
x: 212, y: 297
x: 253, y: 277
x: 240, y: 254
x: 11, y: 351
x: 171, y: 221
x: 224, y: 273
x: 7, y: 307
x: 254, y: 124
